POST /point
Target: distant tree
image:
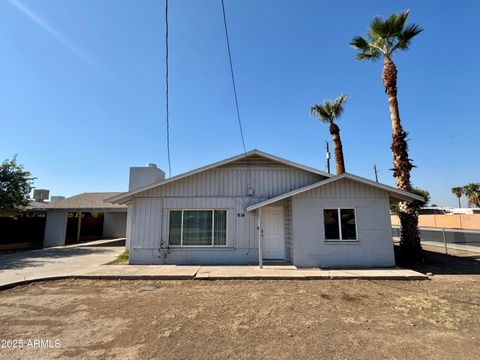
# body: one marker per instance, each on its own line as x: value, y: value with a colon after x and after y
x: 385, y: 38
x: 395, y: 207
x: 423, y: 193
x: 15, y: 187
x: 458, y: 192
x: 472, y: 193
x: 434, y: 205
x: 327, y: 113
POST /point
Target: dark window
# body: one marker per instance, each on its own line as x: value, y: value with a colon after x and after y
x: 349, y: 230
x: 330, y: 219
x: 175, y: 232
x: 339, y: 224
x: 220, y: 227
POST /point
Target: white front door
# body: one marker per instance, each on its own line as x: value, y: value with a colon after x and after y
x: 273, y: 239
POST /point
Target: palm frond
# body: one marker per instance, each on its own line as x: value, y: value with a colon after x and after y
x: 368, y: 56
x: 360, y: 43
x: 396, y: 23
x: 457, y: 191
x: 367, y: 50
x: 329, y: 110
x: 407, y: 35
x: 377, y: 28
x: 321, y: 113
x: 385, y: 36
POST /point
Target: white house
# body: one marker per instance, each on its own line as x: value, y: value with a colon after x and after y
x: 257, y: 207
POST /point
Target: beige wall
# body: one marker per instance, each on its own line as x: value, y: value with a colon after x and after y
x: 454, y: 221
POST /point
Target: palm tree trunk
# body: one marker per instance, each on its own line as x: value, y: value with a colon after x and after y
x: 337, y: 146
x: 459, y: 203
x: 410, y: 236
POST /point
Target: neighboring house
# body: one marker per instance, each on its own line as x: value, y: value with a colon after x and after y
x: 70, y: 220
x: 257, y: 207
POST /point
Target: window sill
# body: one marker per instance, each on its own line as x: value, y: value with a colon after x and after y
x: 341, y: 241
x: 201, y: 248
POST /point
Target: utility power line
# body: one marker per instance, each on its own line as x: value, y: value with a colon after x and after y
x: 166, y: 91
x: 233, y: 78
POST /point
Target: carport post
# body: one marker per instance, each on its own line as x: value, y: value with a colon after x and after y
x: 259, y: 227
x: 79, y: 227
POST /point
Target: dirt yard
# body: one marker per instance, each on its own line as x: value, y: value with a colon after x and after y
x: 438, y: 319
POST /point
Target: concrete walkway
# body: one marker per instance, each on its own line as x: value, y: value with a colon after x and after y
x: 84, y: 261
x: 291, y: 272
x: 244, y: 272
x: 25, y: 266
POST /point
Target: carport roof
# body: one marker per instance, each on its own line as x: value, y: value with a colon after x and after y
x: 89, y: 201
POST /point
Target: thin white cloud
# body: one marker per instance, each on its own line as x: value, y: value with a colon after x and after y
x: 56, y: 34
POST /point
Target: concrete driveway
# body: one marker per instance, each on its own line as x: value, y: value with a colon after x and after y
x: 57, y: 261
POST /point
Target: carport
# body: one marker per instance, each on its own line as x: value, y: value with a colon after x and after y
x: 84, y: 217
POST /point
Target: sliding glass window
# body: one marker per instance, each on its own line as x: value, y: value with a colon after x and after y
x: 198, y: 228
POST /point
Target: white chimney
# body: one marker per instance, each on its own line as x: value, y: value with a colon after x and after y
x: 144, y: 175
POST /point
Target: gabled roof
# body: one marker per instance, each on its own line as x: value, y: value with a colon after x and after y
x: 93, y: 201
x: 394, y: 192
x: 123, y: 197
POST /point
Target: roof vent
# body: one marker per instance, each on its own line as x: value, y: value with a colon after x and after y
x: 54, y: 199
x: 40, y: 195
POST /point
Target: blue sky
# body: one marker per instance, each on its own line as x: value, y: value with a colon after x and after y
x: 82, y: 87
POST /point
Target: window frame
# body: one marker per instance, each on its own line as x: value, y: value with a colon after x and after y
x: 340, y: 224
x: 213, y: 229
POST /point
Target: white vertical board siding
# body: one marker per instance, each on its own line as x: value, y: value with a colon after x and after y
x: 55, y: 228
x: 221, y: 188
x: 266, y: 181
x: 147, y: 223
x: 374, y: 247
x: 114, y: 224
x: 129, y: 234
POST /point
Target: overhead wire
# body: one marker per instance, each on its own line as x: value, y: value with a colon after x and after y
x: 167, y: 91
x: 233, y: 78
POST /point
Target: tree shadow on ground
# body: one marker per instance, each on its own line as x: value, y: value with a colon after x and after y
x: 436, y: 262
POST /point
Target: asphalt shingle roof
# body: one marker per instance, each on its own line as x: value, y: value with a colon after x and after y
x: 85, y: 201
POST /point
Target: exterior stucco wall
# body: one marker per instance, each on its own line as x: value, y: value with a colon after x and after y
x: 374, y: 247
x: 114, y: 224
x: 55, y: 228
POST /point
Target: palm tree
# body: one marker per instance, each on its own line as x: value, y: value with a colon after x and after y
x: 458, y: 192
x: 327, y: 113
x: 472, y: 193
x: 385, y: 38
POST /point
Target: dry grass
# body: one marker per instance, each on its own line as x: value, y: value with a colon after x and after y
x: 437, y: 319
x: 121, y: 259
